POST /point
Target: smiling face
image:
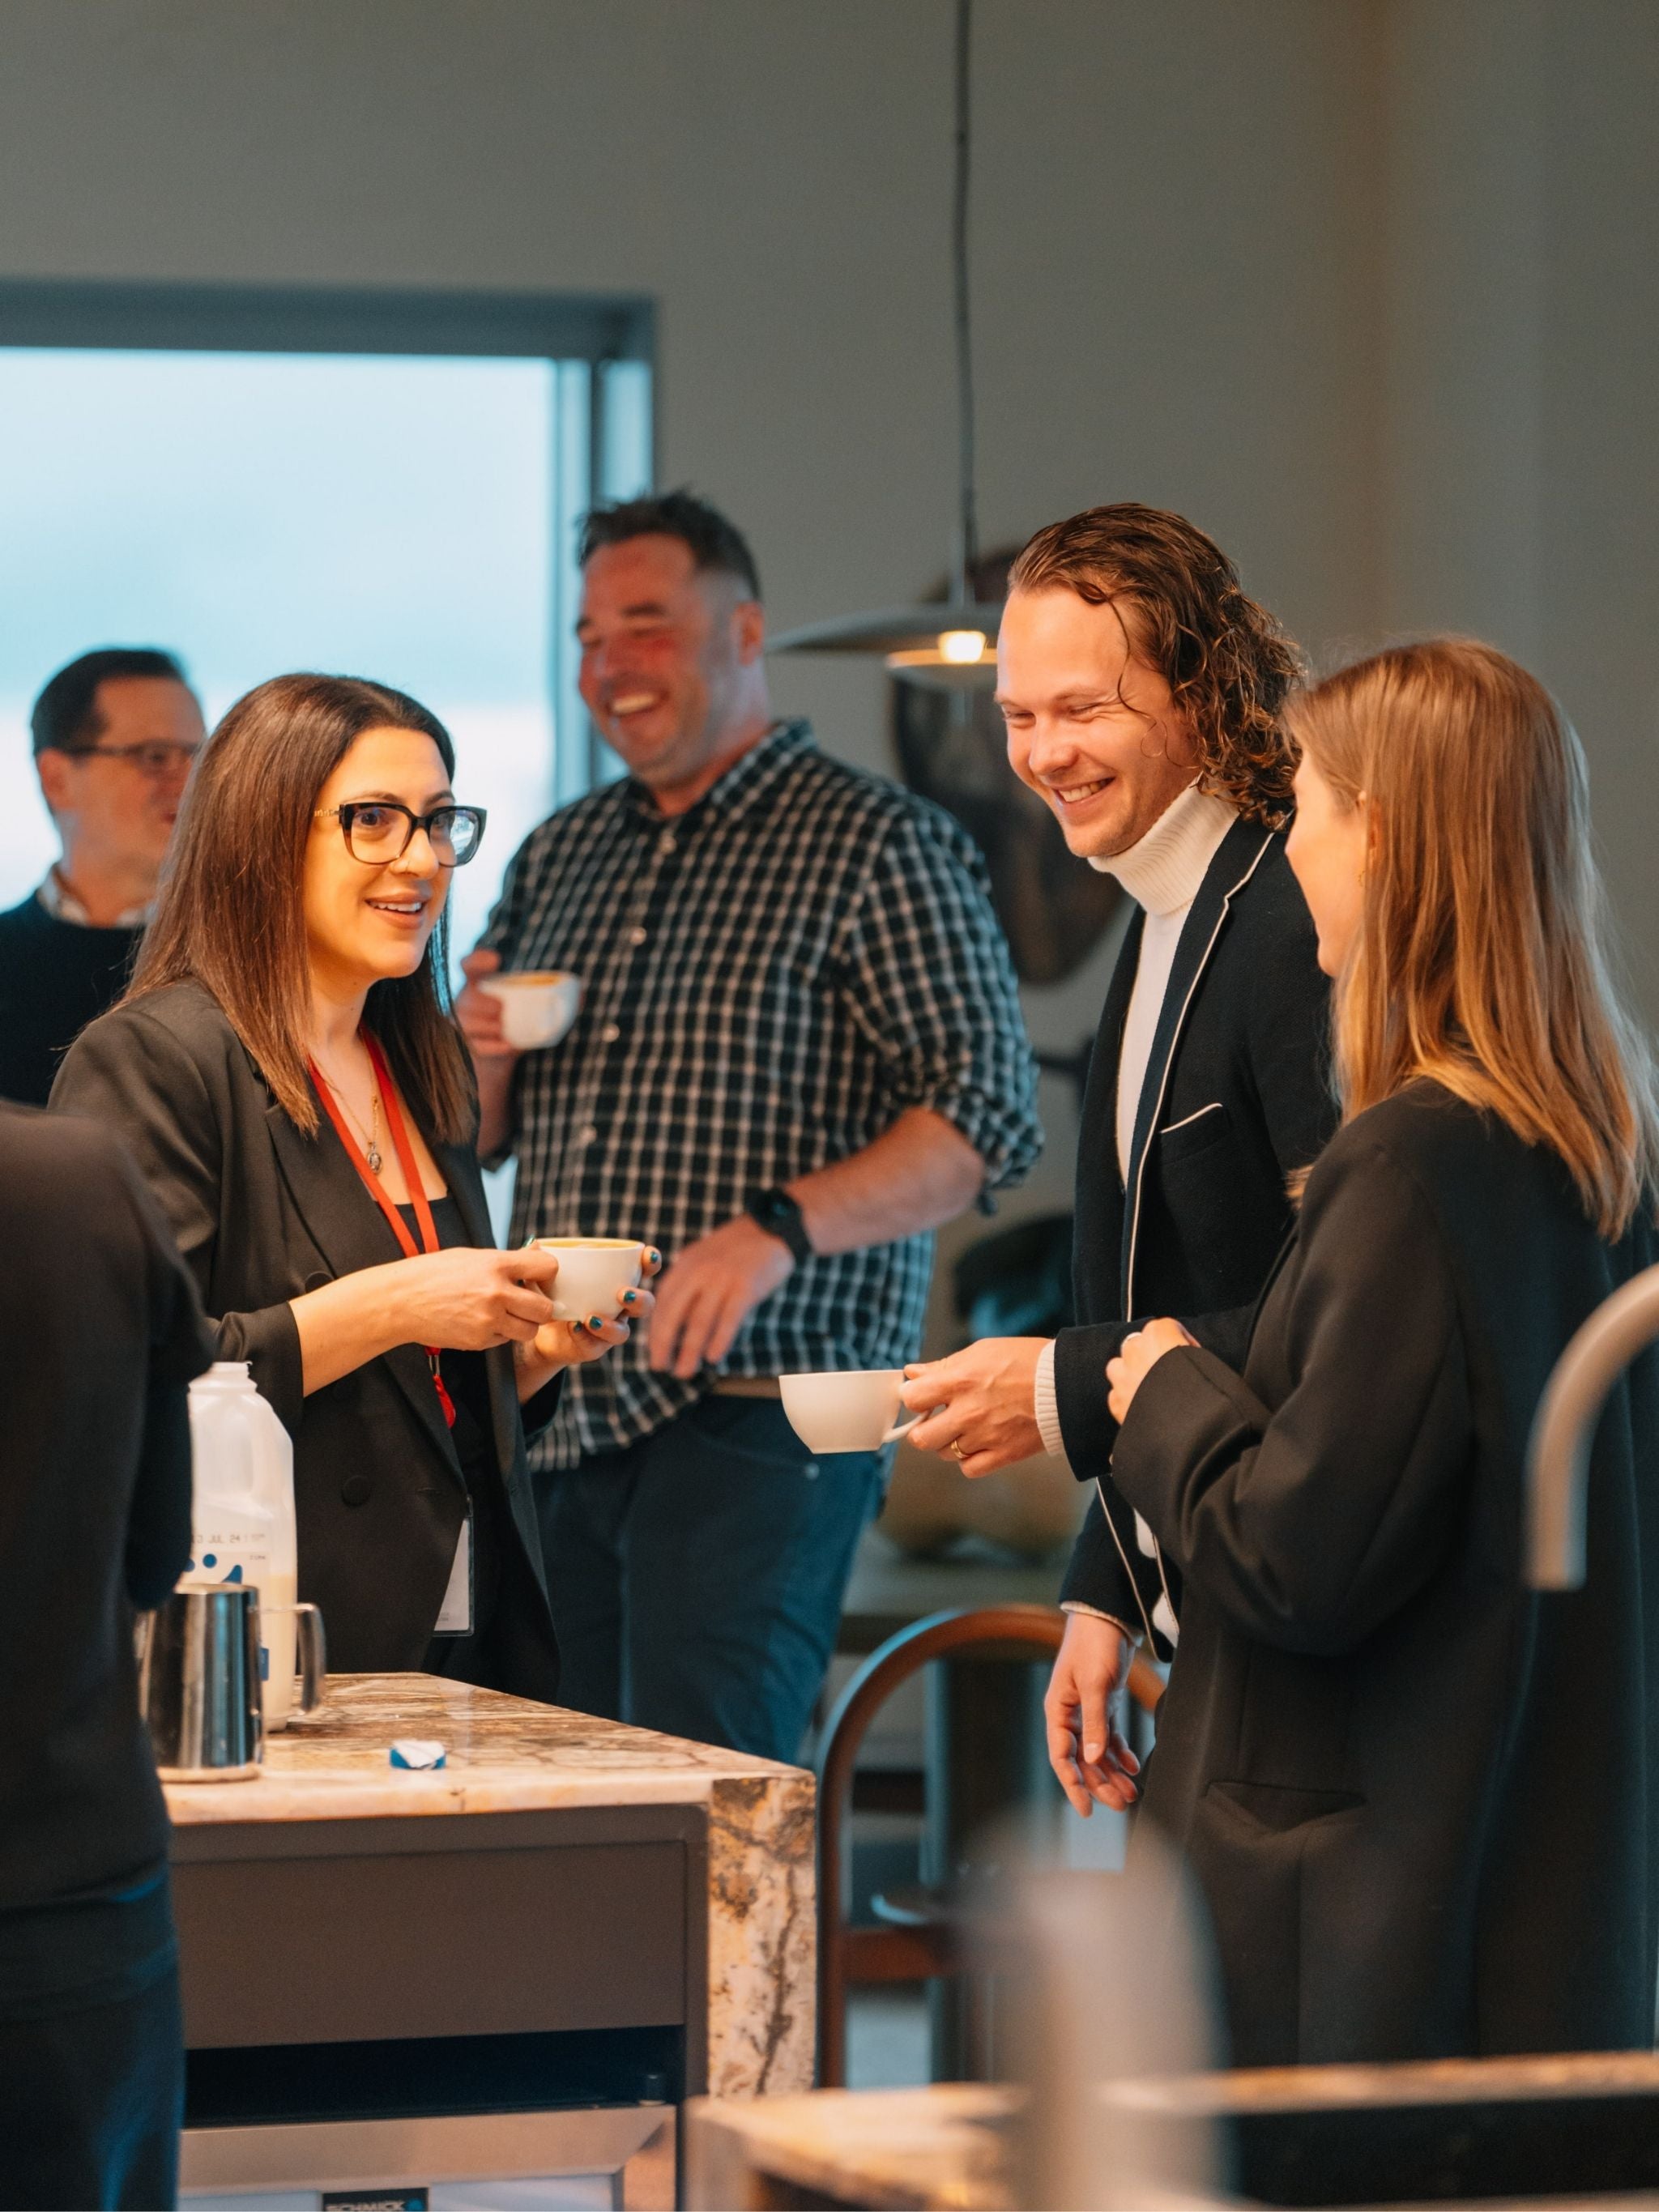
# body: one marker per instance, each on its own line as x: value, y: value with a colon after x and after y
x: 365, y: 923
x: 670, y: 659
x: 1327, y: 848
x: 1092, y: 728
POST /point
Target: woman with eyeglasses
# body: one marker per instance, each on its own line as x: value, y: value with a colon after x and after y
x: 285, y: 1070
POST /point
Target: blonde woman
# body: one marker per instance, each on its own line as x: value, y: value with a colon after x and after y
x: 1420, y: 1798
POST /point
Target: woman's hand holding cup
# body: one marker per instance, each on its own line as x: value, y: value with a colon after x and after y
x: 470, y: 1297
x: 573, y: 1343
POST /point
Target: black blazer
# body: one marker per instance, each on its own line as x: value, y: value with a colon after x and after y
x: 1237, y: 1096
x: 263, y: 1213
x: 103, y: 1334
x: 1420, y: 1797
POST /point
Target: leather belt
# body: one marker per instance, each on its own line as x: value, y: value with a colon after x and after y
x: 746, y: 1385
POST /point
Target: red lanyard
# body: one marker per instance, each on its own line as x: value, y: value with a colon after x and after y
x: 394, y: 1121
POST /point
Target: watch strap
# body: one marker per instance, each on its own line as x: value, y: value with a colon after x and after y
x: 779, y: 1215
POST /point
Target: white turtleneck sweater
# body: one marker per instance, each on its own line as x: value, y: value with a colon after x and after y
x: 1162, y: 872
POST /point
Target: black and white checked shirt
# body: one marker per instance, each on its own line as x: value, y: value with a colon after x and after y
x: 770, y: 981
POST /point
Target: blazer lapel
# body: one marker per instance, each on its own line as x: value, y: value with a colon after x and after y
x: 1237, y: 857
x: 1100, y: 1096
x: 349, y: 1231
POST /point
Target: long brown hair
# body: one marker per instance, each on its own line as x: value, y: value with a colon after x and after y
x: 1480, y: 956
x: 230, y: 914
x: 1226, y: 661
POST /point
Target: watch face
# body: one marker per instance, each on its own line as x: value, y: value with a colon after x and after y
x: 780, y: 1216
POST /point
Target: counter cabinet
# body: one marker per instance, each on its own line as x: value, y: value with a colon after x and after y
x: 517, y: 1964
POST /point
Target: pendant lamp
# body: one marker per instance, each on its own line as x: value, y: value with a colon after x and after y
x: 948, y: 644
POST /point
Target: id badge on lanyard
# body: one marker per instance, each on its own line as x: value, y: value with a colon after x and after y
x: 455, y: 1614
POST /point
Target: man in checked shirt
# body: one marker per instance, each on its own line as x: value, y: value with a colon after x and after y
x: 799, y: 1051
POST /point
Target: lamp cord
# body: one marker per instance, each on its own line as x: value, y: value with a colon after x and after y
x: 968, y: 547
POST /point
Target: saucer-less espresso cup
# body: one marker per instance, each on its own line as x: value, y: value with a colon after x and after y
x: 593, y: 1273
x: 537, y: 1005
x: 852, y: 1412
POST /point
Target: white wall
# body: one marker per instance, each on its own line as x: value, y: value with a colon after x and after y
x: 1521, y: 479
x: 1172, y: 234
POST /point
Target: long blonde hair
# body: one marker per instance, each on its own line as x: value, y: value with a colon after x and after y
x: 1480, y: 959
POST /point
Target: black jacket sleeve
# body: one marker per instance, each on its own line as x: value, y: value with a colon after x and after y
x: 180, y: 1348
x: 1310, y: 1522
x: 131, y: 1073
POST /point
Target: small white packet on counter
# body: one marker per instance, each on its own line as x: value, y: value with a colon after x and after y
x: 417, y: 1752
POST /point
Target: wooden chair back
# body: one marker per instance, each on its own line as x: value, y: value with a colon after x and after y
x: 847, y: 1955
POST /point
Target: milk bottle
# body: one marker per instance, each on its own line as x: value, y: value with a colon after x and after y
x: 243, y: 1524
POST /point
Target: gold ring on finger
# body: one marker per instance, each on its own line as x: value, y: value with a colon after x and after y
x: 957, y: 1452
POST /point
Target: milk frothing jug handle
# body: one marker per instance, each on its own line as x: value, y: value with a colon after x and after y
x: 313, y: 1656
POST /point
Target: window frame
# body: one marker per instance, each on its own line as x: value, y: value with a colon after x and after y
x: 583, y: 335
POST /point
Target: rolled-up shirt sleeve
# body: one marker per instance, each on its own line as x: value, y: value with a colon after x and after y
x: 930, y: 982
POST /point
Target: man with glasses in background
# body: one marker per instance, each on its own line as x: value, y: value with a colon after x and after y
x: 115, y: 734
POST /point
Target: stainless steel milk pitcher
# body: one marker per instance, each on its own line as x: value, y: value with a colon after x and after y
x: 198, y: 1684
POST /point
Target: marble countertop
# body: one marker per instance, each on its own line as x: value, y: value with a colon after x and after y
x: 947, y: 2146
x: 1411, y: 2082
x: 511, y: 1755
x: 954, y: 2145
x: 504, y: 1755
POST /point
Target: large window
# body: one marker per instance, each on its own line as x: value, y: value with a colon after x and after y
x: 367, y: 508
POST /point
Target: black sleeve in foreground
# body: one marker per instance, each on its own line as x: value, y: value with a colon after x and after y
x: 1313, y: 1522
x: 180, y: 1348
x: 158, y: 1528
x: 129, y: 1072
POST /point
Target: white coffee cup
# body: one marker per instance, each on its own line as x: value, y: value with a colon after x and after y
x: 849, y: 1412
x: 537, y: 1005
x: 593, y: 1273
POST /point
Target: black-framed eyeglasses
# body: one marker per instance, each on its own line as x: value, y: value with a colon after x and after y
x: 156, y: 757
x: 377, y: 830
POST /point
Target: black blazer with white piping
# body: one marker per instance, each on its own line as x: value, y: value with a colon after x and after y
x: 263, y: 1213
x: 1237, y: 1097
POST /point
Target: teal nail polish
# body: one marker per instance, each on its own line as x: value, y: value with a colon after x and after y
x: 630, y: 1297
x: 596, y: 1322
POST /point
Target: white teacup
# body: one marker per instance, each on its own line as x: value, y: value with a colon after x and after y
x: 537, y: 1005
x: 593, y: 1273
x: 849, y: 1412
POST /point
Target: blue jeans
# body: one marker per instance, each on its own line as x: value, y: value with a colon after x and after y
x: 697, y: 1576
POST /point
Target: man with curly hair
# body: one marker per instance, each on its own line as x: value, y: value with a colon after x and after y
x: 1142, y: 690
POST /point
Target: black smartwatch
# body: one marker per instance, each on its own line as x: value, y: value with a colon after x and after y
x: 779, y: 1215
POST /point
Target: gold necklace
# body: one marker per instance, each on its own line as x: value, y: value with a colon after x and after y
x: 372, y: 1135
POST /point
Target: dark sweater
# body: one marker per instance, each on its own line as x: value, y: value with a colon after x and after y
x: 55, y: 977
